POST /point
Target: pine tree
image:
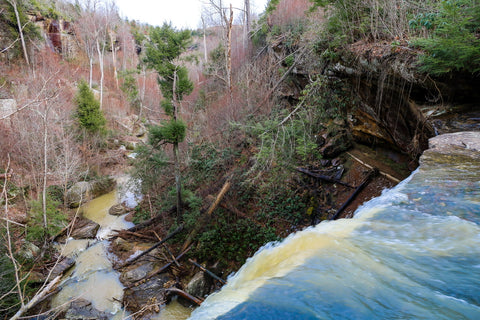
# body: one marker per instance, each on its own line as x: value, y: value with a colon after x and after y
x: 162, y: 55
x: 89, y: 116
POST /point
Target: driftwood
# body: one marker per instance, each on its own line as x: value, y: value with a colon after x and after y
x: 370, y: 175
x: 210, y: 273
x: 322, y: 177
x: 156, y: 245
x: 125, y: 233
x: 386, y: 175
x: 39, y: 297
x: 162, y: 269
x: 186, y: 295
x: 206, y: 216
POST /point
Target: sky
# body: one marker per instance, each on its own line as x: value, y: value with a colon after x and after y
x: 181, y: 13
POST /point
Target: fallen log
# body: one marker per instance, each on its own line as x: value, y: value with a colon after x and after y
x: 125, y: 233
x: 386, y: 175
x: 186, y: 295
x: 370, y: 175
x: 322, y: 177
x: 5, y: 175
x: 39, y: 297
x: 156, y: 245
x: 210, y: 273
x: 162, y: 269
x: 207, y: 216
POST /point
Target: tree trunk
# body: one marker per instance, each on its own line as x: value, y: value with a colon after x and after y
x: 178, y: 180
x: 114, y: 58
x: 229, y: 54
x: 100, y: 58
x: 13, y: 3
x: 246, y: 27
x: 45, y: 170
x: 91, y: 72
x: 204, y: 39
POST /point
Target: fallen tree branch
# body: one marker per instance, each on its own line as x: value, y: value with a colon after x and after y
x: 370, y: 175
x: 39, y: 297
x: 210, y: 273
x: 386, y: 175
x: 323, y: 177
x: 186, y: 295
x: 208, y: 214
x: 156, y: 245
x: 162, y: 269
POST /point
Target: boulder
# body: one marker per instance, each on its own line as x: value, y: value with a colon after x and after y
x: 63, y: 265
x: 199, y: 285
x: 83, y: 191
x: 117, y: 210
x: 82, y: 309
x: 150, y: 293
x: 337, y: 144
x: 78, y: 193
x: 85, y: 229
x: 135, y: 273
x: 29, y: 250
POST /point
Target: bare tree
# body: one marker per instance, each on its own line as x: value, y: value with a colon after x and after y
x: 225, y: 19
x: 13, y: 3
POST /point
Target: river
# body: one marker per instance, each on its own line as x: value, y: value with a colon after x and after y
x: 413, y: 253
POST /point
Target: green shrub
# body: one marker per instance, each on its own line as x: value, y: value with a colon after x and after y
x: 172, y: 131
x: 454, y: 45
x: 9, y: 301
x: 56, y: 220
x: 129, y: 87
x: 88, y: 112
x: 244, y: 239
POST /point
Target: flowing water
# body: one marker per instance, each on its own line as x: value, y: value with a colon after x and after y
x: 413, y: 253
x: 93, y: 277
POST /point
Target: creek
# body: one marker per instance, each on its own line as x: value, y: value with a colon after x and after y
x: 93, y: 277
x: 412, y: 253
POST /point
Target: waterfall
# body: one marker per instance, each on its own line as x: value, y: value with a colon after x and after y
x: 412, y: 253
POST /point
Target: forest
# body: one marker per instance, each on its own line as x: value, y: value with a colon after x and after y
x: 239, y: 133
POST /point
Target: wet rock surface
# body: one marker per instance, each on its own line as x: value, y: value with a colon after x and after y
x: 461, y: 145
x: 85, y: 229
x: 82, y: 309
x: 199, y: 285
x: 117, y: 210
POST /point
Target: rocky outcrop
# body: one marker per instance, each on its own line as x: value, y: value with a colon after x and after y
x: 463, y: 146
x: 83, y: 191
x: 389, y: 92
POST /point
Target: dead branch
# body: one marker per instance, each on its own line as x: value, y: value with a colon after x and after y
x: 322, y: 177
x: 370, y: 175
x: 37, y: 298
x: 186, y: 295
x: 210, y: 273
x: 206, y: 216
x: 129, y: 262
x: 386, y: 175
x: 162, y: 269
